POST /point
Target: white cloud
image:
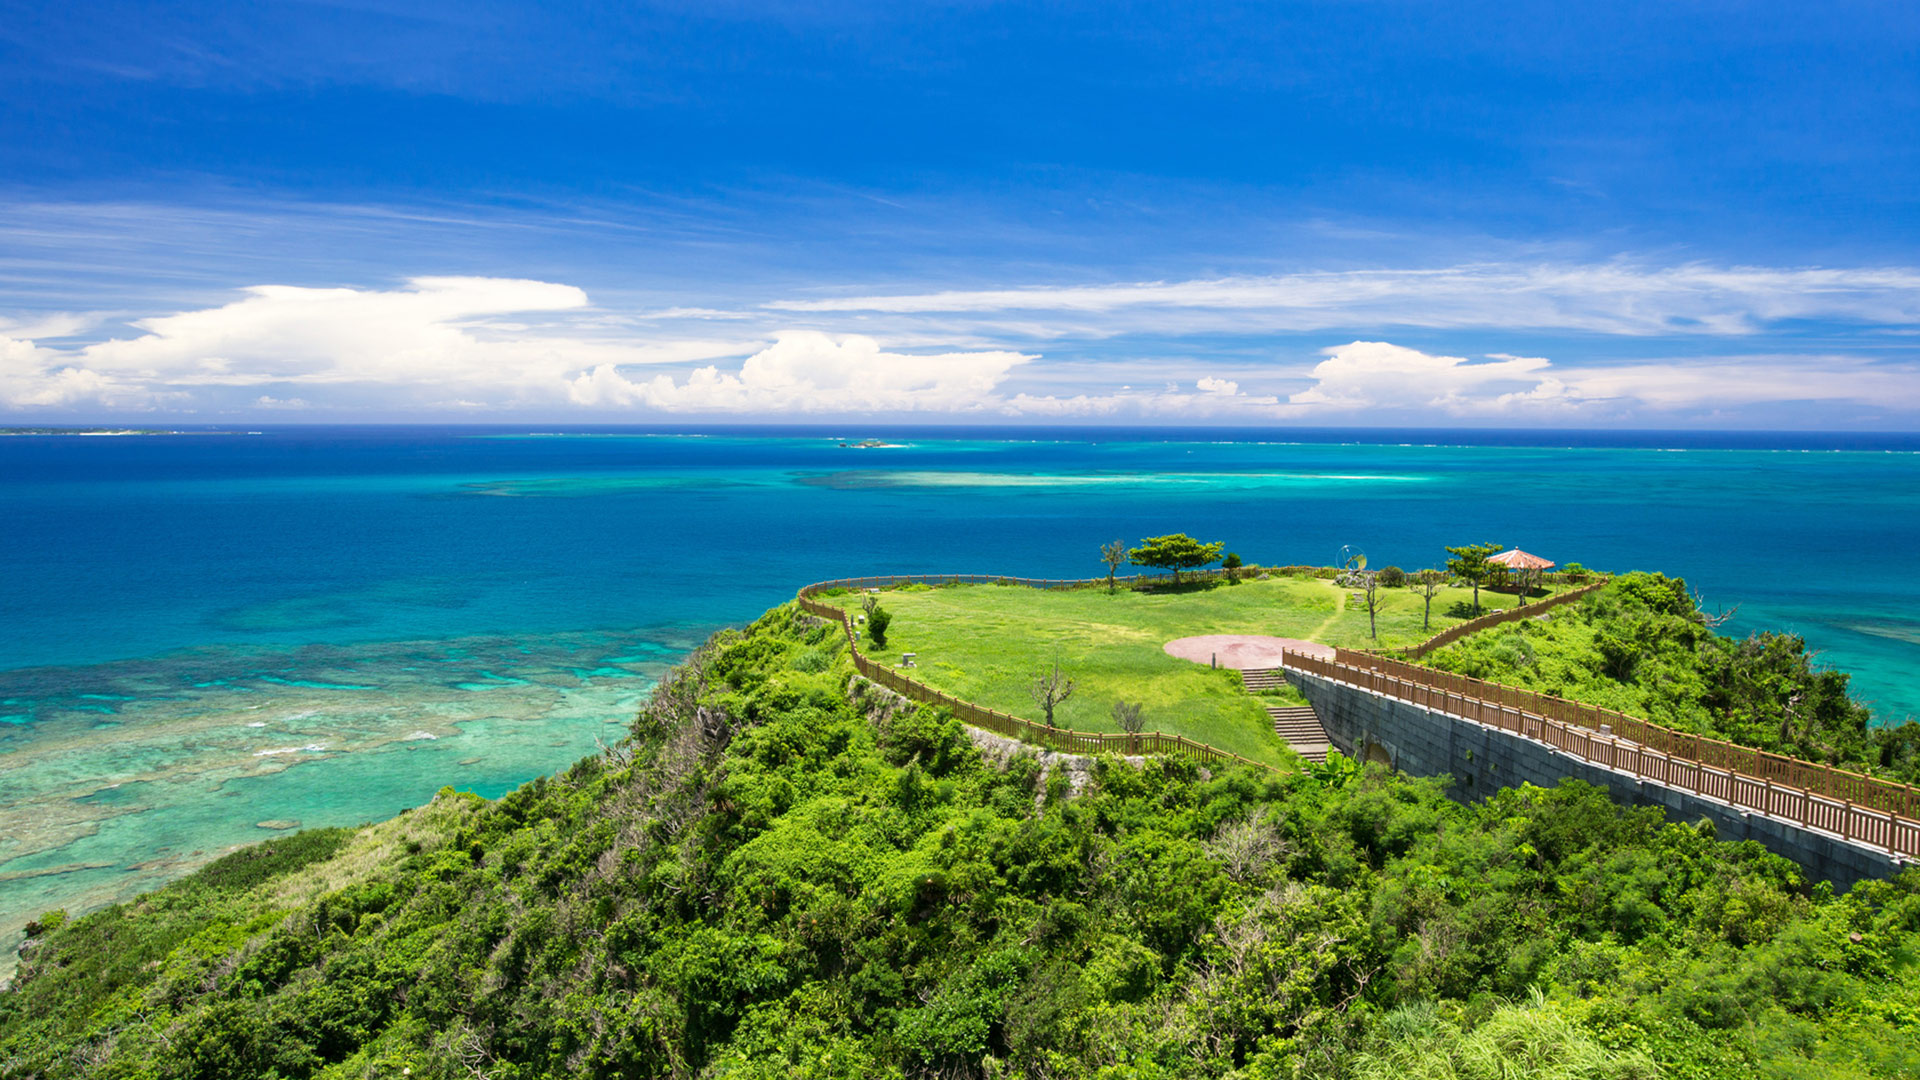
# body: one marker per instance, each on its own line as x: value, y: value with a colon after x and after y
x: 1217, y: 398
x: 1379, y: 377
x: 40, y: 378
x: 1615, y: 297
x: 56, y: 325
x: 811, y: 372
x: 480, y: 344
x: 1376, y: 374
x: 436, y: 334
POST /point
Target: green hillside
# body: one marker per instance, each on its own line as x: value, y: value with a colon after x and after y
x: 769, y: 880
x: 1642, y: 646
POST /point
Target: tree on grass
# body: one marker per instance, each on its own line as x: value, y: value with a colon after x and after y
x: 1370, y: 592
x: 878, y: 619
x: 1231, y: 564
x: 1175, y: 552
x: 1428, y: 584
x: 1128, y: 715
x: 1115, y: 556
x: 1469, y: 564
x: 1050, y: 690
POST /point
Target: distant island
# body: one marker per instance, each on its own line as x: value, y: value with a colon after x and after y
x: 873, y: 444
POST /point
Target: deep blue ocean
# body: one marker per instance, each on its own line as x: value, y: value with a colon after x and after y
x: 206, y: 638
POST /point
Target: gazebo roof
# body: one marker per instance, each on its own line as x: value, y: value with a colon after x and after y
x: 1520, y: 560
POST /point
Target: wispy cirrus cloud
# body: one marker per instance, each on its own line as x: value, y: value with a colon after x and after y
x: 1610, y: 298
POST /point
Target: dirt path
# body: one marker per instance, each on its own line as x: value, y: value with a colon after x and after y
x: 1339, y: 609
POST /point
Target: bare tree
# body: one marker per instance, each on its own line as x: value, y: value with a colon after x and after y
x: 1428, y: 584
x: 1370, y: 591
x: 1128, y: 715
x: 1050, y: 690
x: 1720, y: 616
x: 1115, y: 556
x: 1248, y: 847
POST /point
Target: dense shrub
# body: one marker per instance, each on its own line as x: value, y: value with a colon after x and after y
x: 773, y: 880
x: 1641, y: 646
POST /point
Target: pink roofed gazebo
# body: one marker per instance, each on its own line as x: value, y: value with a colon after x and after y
x: 1526, y: 566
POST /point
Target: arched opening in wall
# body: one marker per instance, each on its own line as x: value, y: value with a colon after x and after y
x: 1378, y: 753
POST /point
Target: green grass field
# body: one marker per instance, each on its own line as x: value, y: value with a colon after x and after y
x: 986, y: 643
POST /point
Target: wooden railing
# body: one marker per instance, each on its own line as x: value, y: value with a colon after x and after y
x: 1491, y: 619
x: 1854, y: 807
x: 1055, y: 738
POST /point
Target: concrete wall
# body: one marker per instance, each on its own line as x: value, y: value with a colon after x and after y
x: 1481, y: 760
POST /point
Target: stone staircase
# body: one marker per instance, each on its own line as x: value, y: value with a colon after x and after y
x: 1297, y: 724
x: 1258, y: 679
x: 1301, y: 728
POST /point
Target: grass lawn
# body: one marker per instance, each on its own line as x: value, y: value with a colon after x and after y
x: 986, y: 643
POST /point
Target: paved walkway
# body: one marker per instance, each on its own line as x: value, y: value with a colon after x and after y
x: 1257, y: 658
x: 1241, y: 651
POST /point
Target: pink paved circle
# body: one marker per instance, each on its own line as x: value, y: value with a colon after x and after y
x: 1242, y: 651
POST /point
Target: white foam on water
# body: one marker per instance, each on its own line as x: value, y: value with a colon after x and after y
x: 312, y: 748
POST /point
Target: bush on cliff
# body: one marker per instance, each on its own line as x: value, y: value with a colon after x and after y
x: 777, y: 877
x: 1642, y: 646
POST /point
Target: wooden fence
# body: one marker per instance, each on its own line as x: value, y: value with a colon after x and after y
x: 1055, y: 738
x: 1493, y: 618
x: 1852, y: 806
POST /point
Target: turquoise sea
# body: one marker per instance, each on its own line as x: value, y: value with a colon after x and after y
x: 207, y: 638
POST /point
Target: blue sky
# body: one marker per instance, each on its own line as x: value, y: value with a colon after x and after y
x: 1370, y: 213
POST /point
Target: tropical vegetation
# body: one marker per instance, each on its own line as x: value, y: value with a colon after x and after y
x: 1642, y: 645
x: 785, y: 872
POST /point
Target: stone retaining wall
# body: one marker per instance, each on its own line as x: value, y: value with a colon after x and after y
x: 1480, y: 760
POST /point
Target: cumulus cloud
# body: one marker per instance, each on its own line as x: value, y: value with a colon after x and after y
x: 37, y: 377
x: 438, y: 334
x: 1615, y: 297
x: 1377, y: 374
x: 1381, y: 377
x: 480, y: 344
x: 811, y: 372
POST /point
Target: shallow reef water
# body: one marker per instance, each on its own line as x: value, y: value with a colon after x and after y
x: 126, y: 775
x: 207, y: 640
